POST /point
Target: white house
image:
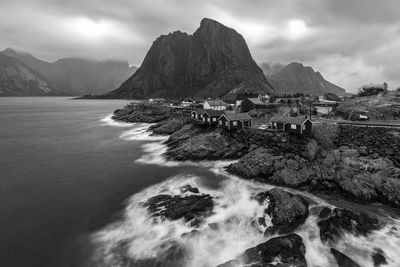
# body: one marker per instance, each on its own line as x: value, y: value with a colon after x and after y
x: 187, y: 102
x: 215, y: 104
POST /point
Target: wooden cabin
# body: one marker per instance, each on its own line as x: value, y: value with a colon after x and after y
x: 232, y: 121
x: 215, y: 104
x: 253, y: 103
x: 197, y: 114
x: 299, y: 124
x: 211, y: 116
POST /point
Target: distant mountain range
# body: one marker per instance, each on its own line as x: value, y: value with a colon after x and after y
x: 213, y: 62
x: 297, y: 78
x: 21, y: 74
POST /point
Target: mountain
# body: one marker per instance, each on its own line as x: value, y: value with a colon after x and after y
x: 271, y: 69
x: 296, y: 78
x: 213, y: 62
x: 17, y: 79
x: 77, y: 76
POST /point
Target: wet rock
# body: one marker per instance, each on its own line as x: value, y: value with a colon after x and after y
x: 343, y: 260
x: 289, y: 249
x: 287, y: 211
x: 325, y: 212
x: 378, y: 257
x: 177, y: 207
x: 346, y: 220
x: 189, y: 188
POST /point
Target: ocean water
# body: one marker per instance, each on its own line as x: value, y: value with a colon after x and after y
x: 72, y: 181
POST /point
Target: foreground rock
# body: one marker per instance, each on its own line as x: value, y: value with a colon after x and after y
x: 142, y: 112
x: 177, y: 207
x: 343, y: 260
x: 289, y: 250
x: 287, y: 211
x: 342, y: 220
x: 168, y: 127
x: 206, y: 146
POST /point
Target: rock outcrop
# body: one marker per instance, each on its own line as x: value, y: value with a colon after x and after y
x: 177, y: 207
x: 287, y: 211
x: 212, y: 62
x: 342, y: 220
x: 289, y: 249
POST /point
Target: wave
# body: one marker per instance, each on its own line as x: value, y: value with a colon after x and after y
x: 139, y: 239
x: 109, y: 121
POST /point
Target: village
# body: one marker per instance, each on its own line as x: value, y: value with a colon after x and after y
x: 288, y: 113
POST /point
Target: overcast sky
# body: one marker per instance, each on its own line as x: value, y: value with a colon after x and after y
x: 350, y: 42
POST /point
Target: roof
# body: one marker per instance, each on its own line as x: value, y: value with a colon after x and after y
x: 188, y: 100
x: 213, y: 113
x: 256, y: 101
x: 299, y: 120
x: 216, y: 102
x: 237, y: 116
x: 198, y: 111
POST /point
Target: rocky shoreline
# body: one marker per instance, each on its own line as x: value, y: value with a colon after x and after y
x: 357, y: 167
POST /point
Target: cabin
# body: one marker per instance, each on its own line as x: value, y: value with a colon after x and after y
x: 299, y: 124
x: 242, y: 96
x: 214, y: 104
x: 197, y: 114
x: 211, y: 116
x: 232, y: 121
x: 187, y: 102
x: 253, y: 103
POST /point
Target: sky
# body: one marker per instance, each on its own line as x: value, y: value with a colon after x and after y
x: 351, y: 42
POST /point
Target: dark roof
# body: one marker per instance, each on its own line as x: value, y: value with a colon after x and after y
x: 198, y: 111
x: 237, y: 116
x: 213, y: 113
x: 256, y: 101
x: 216, y: 102
x: 299, y: 120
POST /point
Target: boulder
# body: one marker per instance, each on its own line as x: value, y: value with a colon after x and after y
x: 177, y: 207
x: 378, y: 257
x: 343, y: 260
x: 346, y: 220
x: 168, y: 127
x: 287, y: 211
x: 289, y: 249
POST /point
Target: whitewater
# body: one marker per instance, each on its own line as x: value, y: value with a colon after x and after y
x: 138, y: 237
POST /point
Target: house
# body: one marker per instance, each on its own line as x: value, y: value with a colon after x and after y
x: 215, y: 104
x: 243, y: 96
x: 197, y: 114
x: 187, y: 102
x: 299, y: 124
x: 211, y: 116
x: 253, y: 103
x: 233, y: 121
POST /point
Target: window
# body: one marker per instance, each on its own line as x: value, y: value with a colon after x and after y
x: 226, y: 123
x: 220, y: 122
x: 293, y: 126
x: 214, y: 119
x: 234, y: 123
x: 303, y: 127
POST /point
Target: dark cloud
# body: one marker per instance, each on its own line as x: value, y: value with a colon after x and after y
x: 349, y: 41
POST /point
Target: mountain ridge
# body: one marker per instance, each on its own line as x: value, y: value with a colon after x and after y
x: 213, y: 62
x: 76, y: 76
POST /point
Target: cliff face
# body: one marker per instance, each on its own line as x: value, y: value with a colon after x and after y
x: 213, y: 62
x: 17, y: 79
x: 76, y: 76
x: 296, y: 78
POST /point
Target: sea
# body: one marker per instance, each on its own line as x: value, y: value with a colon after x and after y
x: 73, y: 181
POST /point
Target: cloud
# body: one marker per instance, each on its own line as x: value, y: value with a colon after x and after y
x: 349, y: 41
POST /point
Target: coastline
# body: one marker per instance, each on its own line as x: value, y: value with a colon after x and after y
x: 281, y: 160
